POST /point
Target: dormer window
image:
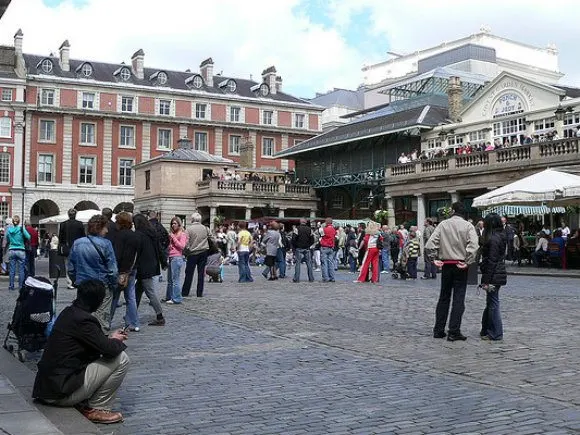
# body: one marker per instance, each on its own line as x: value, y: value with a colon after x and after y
x: 125, y: 73
x: 46, y: 66
x: 264, y: 90
x: 195, y: 81
x: 161, y: 78
x: 230, y: 85
x: 85, y: 70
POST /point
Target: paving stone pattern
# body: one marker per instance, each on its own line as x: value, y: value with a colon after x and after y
x: 342, y: 358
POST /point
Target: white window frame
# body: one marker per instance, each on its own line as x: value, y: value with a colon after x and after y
x: 240, y: 114
x: 476, y: 136
x: 161, y: 101
x: 133, y: 103
x: 121, y: 145
x: 263, y: 117
x: 455, y: 140
x: 200, y: 134
x: 93, y: 173
x: 301, y: 116
x: 434, y: 143
x: 88, y: 100
x: 123, y: 177
x: 7, y: 94
x: 5, y: 127
x: 5, y: 168
x: 545, y: 124
x: 83, y: 135
x: 52, y: 172
x: 4, y: 208
x: 205, y: 111
x: 47, y: 94
x: 264, y: 147
x: 40, y: 131
x: 231, y: 149
x: 169, y: 142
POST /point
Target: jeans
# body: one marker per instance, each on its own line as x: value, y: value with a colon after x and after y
x: 147, y: 286
x: 327, y: 263
x: 430, y: 268
x: 303, y: 253
x: 352, y: 263
x: 173, y: 292
x: 281, y: 262
x: 131, y: 317
x: 412, y: 267
x: 386, y: 259
x: 491, y: 324
x: 31, y: 262
x: 245, y: 275
x: 16, y: 258
x: 193, y: 261
x: 453, y: 282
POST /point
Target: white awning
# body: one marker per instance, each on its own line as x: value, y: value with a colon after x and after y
x: 515, y: 210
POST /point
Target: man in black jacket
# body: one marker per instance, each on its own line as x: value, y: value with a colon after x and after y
x: 302, y: 241
x: 69, y: 231
x: 80, y: 364
x: 111, y: 226
x: 162, y: 237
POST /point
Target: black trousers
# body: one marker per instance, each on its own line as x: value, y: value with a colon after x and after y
x: 193, y: 261
x: 453, y: 283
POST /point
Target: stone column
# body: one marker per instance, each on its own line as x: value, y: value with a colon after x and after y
x: 284, y: 162
x: 26, y: 147
x: 454, y: 196
x: 212, y: 215
x: 248, y: 213
x: 146, y: 142
x: 19, y: 153
x: 420, y: 221
x: 391, y: 211
x: 182, y: 131
x: 559, y: 125
x: 281, y: 212
x: 107, y: 151
x: 219, y: 141
x: 253, y: 139
x: 67, y: 150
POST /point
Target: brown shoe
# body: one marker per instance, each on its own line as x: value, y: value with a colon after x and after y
x: 102, y: 416
x: 157, y: 322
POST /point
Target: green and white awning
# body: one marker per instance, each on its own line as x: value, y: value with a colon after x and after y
x: 515, y: 210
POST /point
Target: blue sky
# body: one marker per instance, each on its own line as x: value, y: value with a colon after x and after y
x: 315, y: 44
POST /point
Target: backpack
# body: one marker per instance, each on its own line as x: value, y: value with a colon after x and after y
x: 394, y: 241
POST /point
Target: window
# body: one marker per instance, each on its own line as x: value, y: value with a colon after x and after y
x: 197, y: 82
x: 453, y: 141
x: 127, y: 104
x: 164, y: 107
x: 544, y: 124
x: 267, y: 116
x: 267, y: 146
x: 47, y: 131
x: 200, y: 110
x: 125, y: 172
x: 87, y: 70
x: 299, y: 120
x: 4, y: 168
x: 161, y: 78
x: 164, y: 138
x: 45, y: 168
x: 338, y: 201
x: 125, y: 74
x: 127, y: 136
x: 232, y: 86
x: 46, y: 66
x: 86, y: 170
x: 5, y: 127
x: 87, y: 133
x: 200, y: 140
x: 234, y: 146
x: 4, y: 211
x: 147, y: 180
x: 571, y: 121
x: 509, y: 130
x: 434, y: 143
x: 477, y: 136
x: 235, y: 114
x: 47, y: 97
x: 6, y: 94
x: 88, y: 100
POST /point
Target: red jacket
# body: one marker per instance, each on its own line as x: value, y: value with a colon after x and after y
x: 327, y: 240
x: 33, y: 236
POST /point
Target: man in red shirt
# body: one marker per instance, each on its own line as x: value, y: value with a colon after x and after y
x: 31, y: 249
x: 328, y: 234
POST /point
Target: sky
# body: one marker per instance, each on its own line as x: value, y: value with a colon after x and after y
x: 315, y: 45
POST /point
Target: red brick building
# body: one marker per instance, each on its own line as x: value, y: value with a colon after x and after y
x: 72, y: 130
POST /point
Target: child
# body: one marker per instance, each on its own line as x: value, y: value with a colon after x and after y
x: 214, y: 267
x: 412, y: 251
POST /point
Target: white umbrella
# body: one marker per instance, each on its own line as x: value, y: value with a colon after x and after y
x: 548, y: 186
x: 83, y: 216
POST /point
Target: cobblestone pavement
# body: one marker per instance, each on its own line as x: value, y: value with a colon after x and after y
x: 277, y: 357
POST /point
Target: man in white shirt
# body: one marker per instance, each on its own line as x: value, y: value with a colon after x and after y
x: 541, y: 249
x: 565, y: 230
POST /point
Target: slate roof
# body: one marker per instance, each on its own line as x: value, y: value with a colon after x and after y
x: 341, y: 97
x: 190, y: 155
x: 104, y: 72
x: 570, y: 91
x: 3, y: 5
x: 384, y: 121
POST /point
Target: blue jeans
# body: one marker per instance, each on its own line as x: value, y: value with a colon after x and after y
x: 16, y: 258
x: 491, y: 324
x: 386, y: 258
x: 352, y: 263
x: 303, y: 253
x: 245, y: 275
x: 173, y: 277
x: 131, y: 317
x: 281, y: 262
x: 327, y: 263
x: 430, y: 268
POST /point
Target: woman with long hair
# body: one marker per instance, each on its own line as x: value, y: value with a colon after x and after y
x: 177, y: 241
x: 493, y: 275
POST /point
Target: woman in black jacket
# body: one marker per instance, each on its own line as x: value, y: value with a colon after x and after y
x: 148, y: 265
x: 493, y: 275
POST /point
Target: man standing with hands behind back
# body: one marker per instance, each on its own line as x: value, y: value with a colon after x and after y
x: 452, y: 246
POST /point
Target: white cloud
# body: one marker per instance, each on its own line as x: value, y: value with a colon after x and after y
x: 243, y: 38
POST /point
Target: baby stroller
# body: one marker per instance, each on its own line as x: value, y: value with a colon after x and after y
x: 33, y: 315
x: 400, y: 271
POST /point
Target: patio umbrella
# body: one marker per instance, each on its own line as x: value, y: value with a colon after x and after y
x: 83, y: 216
x: 544, y: 188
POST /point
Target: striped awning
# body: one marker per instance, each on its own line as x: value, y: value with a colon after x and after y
x: 351, y: 222
x: 514, y: 210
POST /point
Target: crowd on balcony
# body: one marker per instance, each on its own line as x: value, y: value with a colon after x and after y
x: 228, y: 175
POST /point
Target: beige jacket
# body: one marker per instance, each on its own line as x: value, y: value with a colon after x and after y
x: 198, y: 236
x: 453, y: 239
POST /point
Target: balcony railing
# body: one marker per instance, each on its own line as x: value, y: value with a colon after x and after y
x: 217, y: 187
x: 564, y: 151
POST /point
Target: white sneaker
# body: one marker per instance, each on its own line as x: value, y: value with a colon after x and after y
x: 384, y: 271
x: 169, y: 301
x: 317, y: 269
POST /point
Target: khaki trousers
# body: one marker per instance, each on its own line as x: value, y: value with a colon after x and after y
x: 102, y: 380
x: 103, y: 313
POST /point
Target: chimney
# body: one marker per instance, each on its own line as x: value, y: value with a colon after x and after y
x: 137, y: 62
x: 20, y: 66
x: 278, y: 84
x: 184, y: 144
x: 455, y: 98
x: 206, y: 71
x: 269, y: 77
x: 65, y: 55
